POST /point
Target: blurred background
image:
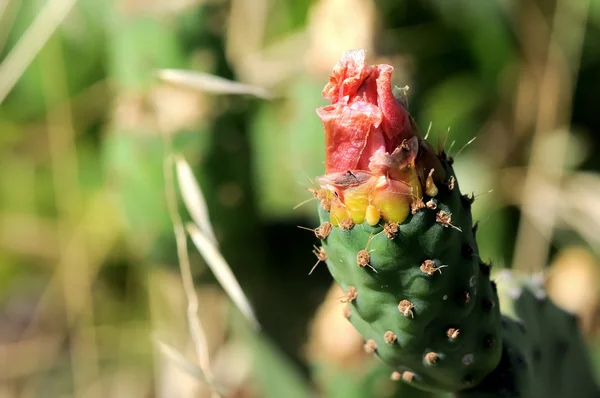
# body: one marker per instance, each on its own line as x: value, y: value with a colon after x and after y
x: 91, y: 296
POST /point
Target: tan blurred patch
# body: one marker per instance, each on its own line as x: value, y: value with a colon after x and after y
x: 230, y: 359
x: 336, y: 26
x: 165, y: 108
x: 573, y: 284
x: 332, y: 339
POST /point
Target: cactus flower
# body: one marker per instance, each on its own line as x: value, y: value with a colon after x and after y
x: 364, y: 119
x: 371, y: 146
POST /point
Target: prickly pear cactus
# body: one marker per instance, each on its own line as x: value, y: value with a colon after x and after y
x: 544, y: 354
x: 397, y: 235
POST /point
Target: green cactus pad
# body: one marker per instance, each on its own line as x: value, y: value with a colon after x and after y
x: 544, y: 354
x: 421, y: 296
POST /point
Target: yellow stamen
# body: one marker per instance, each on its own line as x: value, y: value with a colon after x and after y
x: 393, y: 207
x: 356, y: 200
x: 372, y: 215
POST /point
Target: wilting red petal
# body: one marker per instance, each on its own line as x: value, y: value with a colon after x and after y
x: 375, y: 160
x: 375, y: 144
x: 365, y: 119
x: 347, y: 77
x: 346, y: 133
x: 396, y: 120
x: 391, y: 164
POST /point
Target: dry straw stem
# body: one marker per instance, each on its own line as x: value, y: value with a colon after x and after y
x: 203, y: 237
x: 30, y: 44
x: 208, y: 83
x: 222, y: 272
x: 201, y: 230
x: 193, y: 198
x: 196, y: 331
x: 171, y: 353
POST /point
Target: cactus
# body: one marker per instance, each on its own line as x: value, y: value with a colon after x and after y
x: 544, y: 354
x: 397, y: 236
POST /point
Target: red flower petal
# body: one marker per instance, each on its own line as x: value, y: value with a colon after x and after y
x: 396, y: 120
x: 365, y: 119
x: 347, y: 130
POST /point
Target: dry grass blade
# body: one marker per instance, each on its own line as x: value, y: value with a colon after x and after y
x: 193, y: 198
x: 222, y: 272
x: 208, y: 83
x: 196, y: 330
x: 31, y: 43
x: 171, y: 353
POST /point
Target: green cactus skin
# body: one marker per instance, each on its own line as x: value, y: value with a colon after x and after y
x: 458, y: 296
x: 544, y: 355
x: 372, y: 380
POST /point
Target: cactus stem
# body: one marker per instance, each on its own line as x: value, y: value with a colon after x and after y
x: 485, y: 268
x: 406, y: 308
x: 487, y: 305
x: 431, y: 358
x: 431, y: 204
x: 453, y: 333
x: 370, y: 346
x: 537, y: 354
x: 467, y: 200
x: 467, y: 250
x: 390, y: 337
x: 475, y: 228
x: 489, y: 341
